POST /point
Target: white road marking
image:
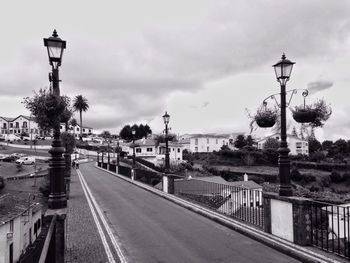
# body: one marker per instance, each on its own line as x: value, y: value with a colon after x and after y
x: 115, y: 242
x: 98, y: 225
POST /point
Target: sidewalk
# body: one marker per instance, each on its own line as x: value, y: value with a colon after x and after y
x: 83, y: 242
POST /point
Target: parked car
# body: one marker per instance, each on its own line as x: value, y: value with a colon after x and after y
x: 26, y: 160
x: 9, y: 159
x: 2, y: 156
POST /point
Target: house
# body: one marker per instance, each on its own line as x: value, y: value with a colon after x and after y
x: 208, y: 142
x: 338, y: 220
x: 295, y: 144
x: 19, y: 125
x: 154, y: 152
x: 20, y: 225
x: 231, y: 196
x: 76, y: 130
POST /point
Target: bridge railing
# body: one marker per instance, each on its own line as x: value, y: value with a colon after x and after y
x: 237, y: 202
x: 330, y: 228
x: 48, y: 252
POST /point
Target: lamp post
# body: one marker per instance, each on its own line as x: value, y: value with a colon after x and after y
x: 283, y: 70
x: 57, y: 196
x: 166, y: 119
x: 133, y: 132
x: 118, y: 153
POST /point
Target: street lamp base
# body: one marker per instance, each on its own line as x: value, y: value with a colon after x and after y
x: 57, y: 201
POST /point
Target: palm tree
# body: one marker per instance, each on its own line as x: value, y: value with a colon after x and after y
x: 73, y: 123
x: 80, y: 104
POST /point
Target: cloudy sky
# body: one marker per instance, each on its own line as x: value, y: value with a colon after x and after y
x: 203, y: 61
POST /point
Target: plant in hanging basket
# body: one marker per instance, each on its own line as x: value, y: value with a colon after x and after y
x: 265, y: 118
x: 304, y: 114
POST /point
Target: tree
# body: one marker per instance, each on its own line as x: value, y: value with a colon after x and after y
x: 142, y: 131
x: 249, y: 141
x: 327, y: 145
x: 106, y: 135
x: 46, y: 108
x: 66, y: 116
x: 240, y: 141
x: 314, y: 145
x: 68, y: 140
x: 294, y: 132
x: 73, y: 123
x: 80, y: 104
x: 271, y: 143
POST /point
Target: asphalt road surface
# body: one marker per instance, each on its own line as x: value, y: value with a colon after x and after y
x: 149, y: 228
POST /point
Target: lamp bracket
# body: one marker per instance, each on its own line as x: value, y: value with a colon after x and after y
x: 305, y: 93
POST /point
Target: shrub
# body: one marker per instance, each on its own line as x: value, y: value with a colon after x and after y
x: 336, y: 177
x: 295, y: 175
x: 2, y: 183
x: 317, y: 156
x: 307, y: 178
x: 325, y: 181
x: 271, y: 155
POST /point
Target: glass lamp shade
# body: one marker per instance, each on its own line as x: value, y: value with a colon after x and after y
x: 55, y: 47
x: 283, y: 68
x: 166, y: 118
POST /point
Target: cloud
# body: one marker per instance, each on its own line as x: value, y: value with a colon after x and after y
x: 127, y: 80
x: 319, y: 85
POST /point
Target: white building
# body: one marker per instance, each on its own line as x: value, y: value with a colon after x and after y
x: 236, y: 195
x: 20, y: 225
x: 87, y: 131
x: 150, y: 150
x: 207, y: 143
x: 295, y: 144
x: 338, y: 220
x: 19, y: 125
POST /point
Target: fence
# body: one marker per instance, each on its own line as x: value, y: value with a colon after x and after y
x: 237, y: 202
x: 48, y: 252
x: 330, y: 228
x: 113, y: 168
x: 147, y: 177
x: 126, y: 171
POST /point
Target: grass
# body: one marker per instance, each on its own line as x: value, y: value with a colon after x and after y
x: 9, y: 150
x: 38, y: 142
x: 10, y: 169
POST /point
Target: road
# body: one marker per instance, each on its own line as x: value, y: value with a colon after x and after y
x: 148, y: 228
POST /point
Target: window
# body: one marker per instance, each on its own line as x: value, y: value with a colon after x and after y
x: 138, y: 150
x: 178, y: 150
x: 61, y: 127
x: 298, y: 144
x: 11, y: 225
x: 207, y: 140
x: 25, y: 124
x: 77, y: 129
x: 4, y: 126
x: 149, y: 149
x: 17, y: 124
x: 178, y: 159
x: 173, y: 149
x: 196, y: 149
x: 217, y: 141
x: 83, y: 129
x: 11, y: 125
x: 196, y: 141
x: 207, y: 148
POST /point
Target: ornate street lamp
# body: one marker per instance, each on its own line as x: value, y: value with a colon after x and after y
x: 166, y: 119
x: 133, y: 132
x: 283, y: 70
x: 57, y: 196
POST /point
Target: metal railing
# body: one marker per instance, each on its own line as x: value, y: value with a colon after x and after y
x: 330, y: 228
x: 48, y: 252
x: 237, y: 202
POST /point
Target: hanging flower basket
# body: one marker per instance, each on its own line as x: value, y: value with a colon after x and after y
x: 304, y: 115
x: 265, y: 118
